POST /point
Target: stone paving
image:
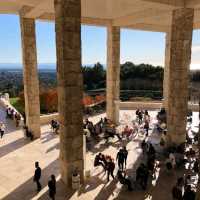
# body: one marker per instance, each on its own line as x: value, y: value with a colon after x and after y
x: 17, y: 157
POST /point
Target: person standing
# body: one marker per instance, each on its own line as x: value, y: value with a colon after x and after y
x: 146, y: 128
x: 140, y: 117
x: 37, y: 176
x: 52, y: 187
x: 125, y: 152
x: 120, y: 158
x: 2, y: 129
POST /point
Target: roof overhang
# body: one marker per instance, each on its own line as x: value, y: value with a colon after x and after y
x: 151, y: 15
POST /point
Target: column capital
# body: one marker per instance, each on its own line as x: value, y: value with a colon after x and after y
x: 24, y: 10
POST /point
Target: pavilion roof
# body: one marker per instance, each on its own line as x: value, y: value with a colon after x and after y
x: 152, y: 15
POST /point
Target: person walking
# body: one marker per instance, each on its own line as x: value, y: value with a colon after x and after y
x: 110, y: 169
x: 120, y: 159
x: 37, y: 176
x: 52, y: 187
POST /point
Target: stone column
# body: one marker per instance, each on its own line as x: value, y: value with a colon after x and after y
x: 30, y: 75
x: 70, y: 87
x: 178, y: 63
x: 113, y: 72
x: 166, y: 70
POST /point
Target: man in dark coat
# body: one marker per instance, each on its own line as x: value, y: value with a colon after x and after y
x: 120, y: 158
x: 52, y: 187
x: 37, y: 176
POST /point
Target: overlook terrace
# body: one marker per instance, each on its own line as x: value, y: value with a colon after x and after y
x: 177, y: 18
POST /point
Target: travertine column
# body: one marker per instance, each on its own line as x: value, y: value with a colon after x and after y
x: 113, y: 72
x: 30, y: 75
x: 178, y: 64
x: 166, y: 70
x: 70, y: 87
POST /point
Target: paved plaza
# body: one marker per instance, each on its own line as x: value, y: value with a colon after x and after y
x: 17, y: 157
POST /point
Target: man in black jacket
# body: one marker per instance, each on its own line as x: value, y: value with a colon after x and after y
x: 37, y: 176
x: 120, y: 158
x: 52, y: 187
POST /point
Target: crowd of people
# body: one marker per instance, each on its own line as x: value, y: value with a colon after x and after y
x: 143, y: 172
x: 183, y: 155
x: 186, y: 185
x: 109, y: 129
x: 14, y: 115
x: 108, y: 165
x: 173, y: 158
x: 104, y: 126
x: 10, y: 114
x: 148, y: 167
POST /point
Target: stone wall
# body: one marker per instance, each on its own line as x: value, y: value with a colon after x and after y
x: 150, y: 105
x: 46, y: 119
x: 131, y: 105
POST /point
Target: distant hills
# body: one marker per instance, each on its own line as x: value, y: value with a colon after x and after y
x: 19, y: 66
x: 40, y: 66
x: 43, y: 66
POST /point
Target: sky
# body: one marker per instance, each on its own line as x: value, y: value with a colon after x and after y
x: 136, y: 46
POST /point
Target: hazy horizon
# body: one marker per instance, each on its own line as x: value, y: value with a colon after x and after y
x: 53, y: 65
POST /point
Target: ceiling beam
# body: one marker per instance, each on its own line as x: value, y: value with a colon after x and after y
x: 197, y: 25
x: 96, y: 21
x: 138, y: 17
x: 172, y: 3
x: 38, y: 10
x: 24, y: 2
x: 193, y: 3
x: 84, y: 20
x: 148, y: 27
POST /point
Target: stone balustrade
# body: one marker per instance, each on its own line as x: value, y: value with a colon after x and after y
x: 150, y: 105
